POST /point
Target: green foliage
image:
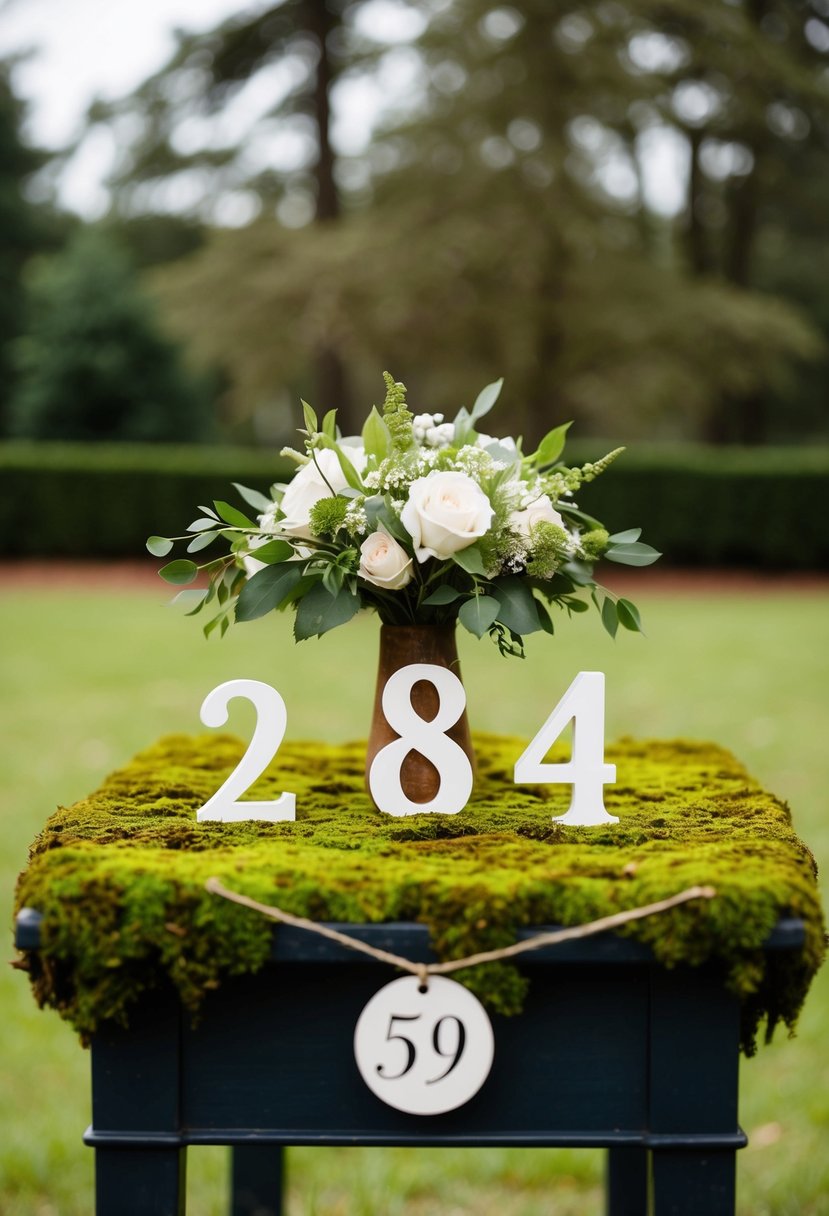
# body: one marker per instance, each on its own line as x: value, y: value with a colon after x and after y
x: 396, y: 415
x: 103, y: 500
x: 18, y: 229
x: 689, y: 814
x: 95, y: 363
x: 328, y: 515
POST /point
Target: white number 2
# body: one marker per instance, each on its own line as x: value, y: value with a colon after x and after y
x: 586, y: 771
x: 271, y: 720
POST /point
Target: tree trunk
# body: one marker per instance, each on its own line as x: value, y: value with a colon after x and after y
x: 698, y: 253
x: 331, y: 388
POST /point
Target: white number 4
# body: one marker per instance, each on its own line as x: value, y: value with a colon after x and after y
x: 586, y: 771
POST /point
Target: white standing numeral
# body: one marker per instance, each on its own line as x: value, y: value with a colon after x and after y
x: 271, y: 720
x: 428, y: 738
x: 586, y: 771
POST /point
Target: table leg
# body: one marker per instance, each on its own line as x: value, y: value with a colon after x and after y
x: 140, y: 1181
x: 627, y: 1181
x: 687, y: 1183
x: 257, y: 1179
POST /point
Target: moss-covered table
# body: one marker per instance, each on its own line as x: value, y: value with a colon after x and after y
x: 208, y: 1025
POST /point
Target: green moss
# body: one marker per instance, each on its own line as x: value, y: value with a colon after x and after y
x: 120, y: 876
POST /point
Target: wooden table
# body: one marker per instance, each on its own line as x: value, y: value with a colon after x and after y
x: 612, y: 1051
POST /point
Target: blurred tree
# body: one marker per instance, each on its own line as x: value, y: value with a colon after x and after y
x: 509, y: 232
x: 19, y: 229
x: 182, y: 152
x: 95, y: 364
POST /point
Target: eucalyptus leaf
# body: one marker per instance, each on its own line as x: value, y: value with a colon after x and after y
x: 609, y: 618
x: 544, y: 619
x: 629, y: 615
x: 266, y: 590
x: 485, y: 400
x: 201, y: 541
x: 632, y: 555
x: 159, y: 546
x: 478, y: 613
x: 470, y: 560
x: 259, y: 502
x: 203, y: 525
x: 234, y: 517
x: 625, y: 538
x: 192, y: 598
x: 319, y: 611
x: 518, y: 606
x: 272, y: 551
x: 442, y: 595
x: 179, y: 572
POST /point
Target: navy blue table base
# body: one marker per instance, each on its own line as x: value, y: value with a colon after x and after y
x: 612, y: 1051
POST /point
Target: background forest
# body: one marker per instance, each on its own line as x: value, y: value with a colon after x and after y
x: 505, y: 216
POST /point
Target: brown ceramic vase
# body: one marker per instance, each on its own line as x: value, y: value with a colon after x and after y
x: 401, y: 645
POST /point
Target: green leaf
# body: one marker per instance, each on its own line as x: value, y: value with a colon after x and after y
x: 272, y: 552
x: 266, y: 590
x: 203, y: 525
x: 577, y: 606
x: 208, y: 511
x: 629, y: 616
x: 544, y: 620
x: 253, y: 498
x: 329, y: 424
x: 625, y: 538
x: 470, y: 560
x: 310, y: 417
x: 485, y: 400
x: 179, y: 572
x: 478, y: 613
x: 566, y: 508
x: 376, y: 437
x: 201, y: 541
x: 609, y: 618
x: 159, y: 546
x: 193, y: 598
x: 441, y: 595
x: 333, y: 578
x: 518, y: 606
x: 319, y: 611
x: 379, y: 512
x: 632, y: 555
x: 462, y: 425
x: 233, y: 517
x: 552, y: 445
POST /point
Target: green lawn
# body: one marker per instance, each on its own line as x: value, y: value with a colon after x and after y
x: 89, y: 679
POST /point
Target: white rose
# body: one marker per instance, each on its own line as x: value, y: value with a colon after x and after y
x: 315, y: 480
x: 539, y: 511
x: 445, y: 512
x: 384, y: 562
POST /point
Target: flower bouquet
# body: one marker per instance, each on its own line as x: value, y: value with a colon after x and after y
x: 427, y: 522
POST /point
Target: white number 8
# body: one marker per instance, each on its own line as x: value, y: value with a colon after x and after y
x: 428, y: 738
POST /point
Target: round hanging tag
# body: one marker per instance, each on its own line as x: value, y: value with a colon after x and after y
x: 424, y: 1050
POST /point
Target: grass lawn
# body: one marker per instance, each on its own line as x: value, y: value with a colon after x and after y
x: 91, y: 678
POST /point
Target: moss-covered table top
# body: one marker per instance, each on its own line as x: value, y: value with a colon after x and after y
x: 120, y: 877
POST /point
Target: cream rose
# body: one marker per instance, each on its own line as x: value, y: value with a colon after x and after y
x: 445, y: 512
x: 541, y: 510
x: 315, y: 480
x: 384, y: 562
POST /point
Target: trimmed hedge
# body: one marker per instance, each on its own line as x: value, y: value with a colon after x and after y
x: 750, y: 507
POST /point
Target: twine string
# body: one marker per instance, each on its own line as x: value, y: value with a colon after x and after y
x: 424, y: 970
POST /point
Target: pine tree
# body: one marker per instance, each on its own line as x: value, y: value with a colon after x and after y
x: 95, y: 364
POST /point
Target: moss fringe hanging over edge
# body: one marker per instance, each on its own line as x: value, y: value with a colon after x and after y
x: 119, y: 876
